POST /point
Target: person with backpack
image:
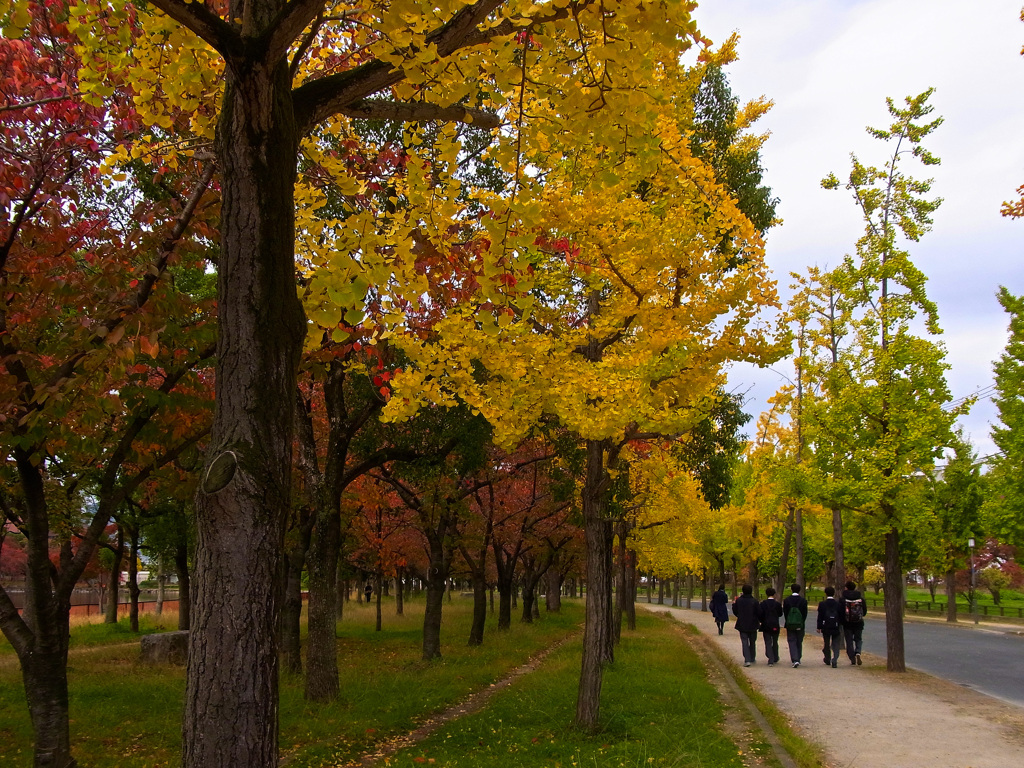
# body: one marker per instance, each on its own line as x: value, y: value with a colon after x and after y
x: 794, y: 608
x: 852, y: 609
x: 771, y: 612
x: 748, y: 618
x: 720, y: 607
x: 828, y: 626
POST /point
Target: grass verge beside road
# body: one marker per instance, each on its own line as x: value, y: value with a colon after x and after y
x: 657, y: 709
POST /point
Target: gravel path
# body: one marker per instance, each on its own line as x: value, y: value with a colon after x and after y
x: 865, y: 717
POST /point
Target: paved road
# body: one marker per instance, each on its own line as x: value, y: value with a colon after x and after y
x: 986, y: 660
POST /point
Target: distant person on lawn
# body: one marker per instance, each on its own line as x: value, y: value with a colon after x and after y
x: 852, y: 609
x: 771, y: 612
x: 720, y: 607
x: 829, y: 626
x: 748, y: 619
x: 794, y: 609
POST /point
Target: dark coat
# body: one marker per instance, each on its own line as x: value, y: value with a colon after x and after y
x: 771, y: 612
x: 794, y: 600
x: 849, y: 595
x: 748, y: 613
x: 825, y: 607
x: 720, y: 606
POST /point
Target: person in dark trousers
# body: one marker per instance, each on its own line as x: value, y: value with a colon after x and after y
x: 771, y: 612
x: 828, y: 626
x: 368, y: 589
x: 720, y: 607
x: 852, y: 609
x: 794, y: 609
x: 748, y: 619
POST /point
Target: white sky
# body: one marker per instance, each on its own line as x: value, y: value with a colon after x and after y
x: 829, y: 65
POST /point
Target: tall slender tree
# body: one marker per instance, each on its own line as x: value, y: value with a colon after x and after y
x: 889, y: 393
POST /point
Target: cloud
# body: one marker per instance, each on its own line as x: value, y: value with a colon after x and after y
x: 829, y: 66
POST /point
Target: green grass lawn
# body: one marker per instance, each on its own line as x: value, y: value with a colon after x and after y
x: 657, y: 708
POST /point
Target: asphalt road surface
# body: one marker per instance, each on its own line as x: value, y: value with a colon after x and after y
x: 986, y: 660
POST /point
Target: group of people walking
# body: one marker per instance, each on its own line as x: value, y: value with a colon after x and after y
x: 843, y: 615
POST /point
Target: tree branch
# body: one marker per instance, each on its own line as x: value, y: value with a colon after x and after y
x: 221, y: 36
x: 411, y: 111
x: 318, y: 99
x: 294, y: 17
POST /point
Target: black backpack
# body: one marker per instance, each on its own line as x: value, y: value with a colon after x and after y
x: 830, y: 616
x: 854, y: 611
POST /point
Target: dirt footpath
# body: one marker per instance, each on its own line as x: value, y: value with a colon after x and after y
x: 865, y: 717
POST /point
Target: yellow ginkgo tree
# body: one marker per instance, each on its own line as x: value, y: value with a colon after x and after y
x: 639, y: 281
x: 243, y: 83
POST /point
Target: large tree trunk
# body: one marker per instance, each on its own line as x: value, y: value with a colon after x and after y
x: 231, y: 702
x: 951, y: 595
x: 895, y: 661
x: 597, y: 640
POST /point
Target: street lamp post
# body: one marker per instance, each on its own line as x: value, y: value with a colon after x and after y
x: 974, y: 611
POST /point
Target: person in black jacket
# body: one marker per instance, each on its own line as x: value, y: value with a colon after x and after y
x: 771, y: 611
x: 828, y: 626
x: 720, y: 607
x: 794, y: 609
x: 748, y: 619
x: 852, y: 609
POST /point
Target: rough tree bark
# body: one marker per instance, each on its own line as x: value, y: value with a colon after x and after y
x: 231, y: 702
x: 597, y: 639
x: 894, y: 641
